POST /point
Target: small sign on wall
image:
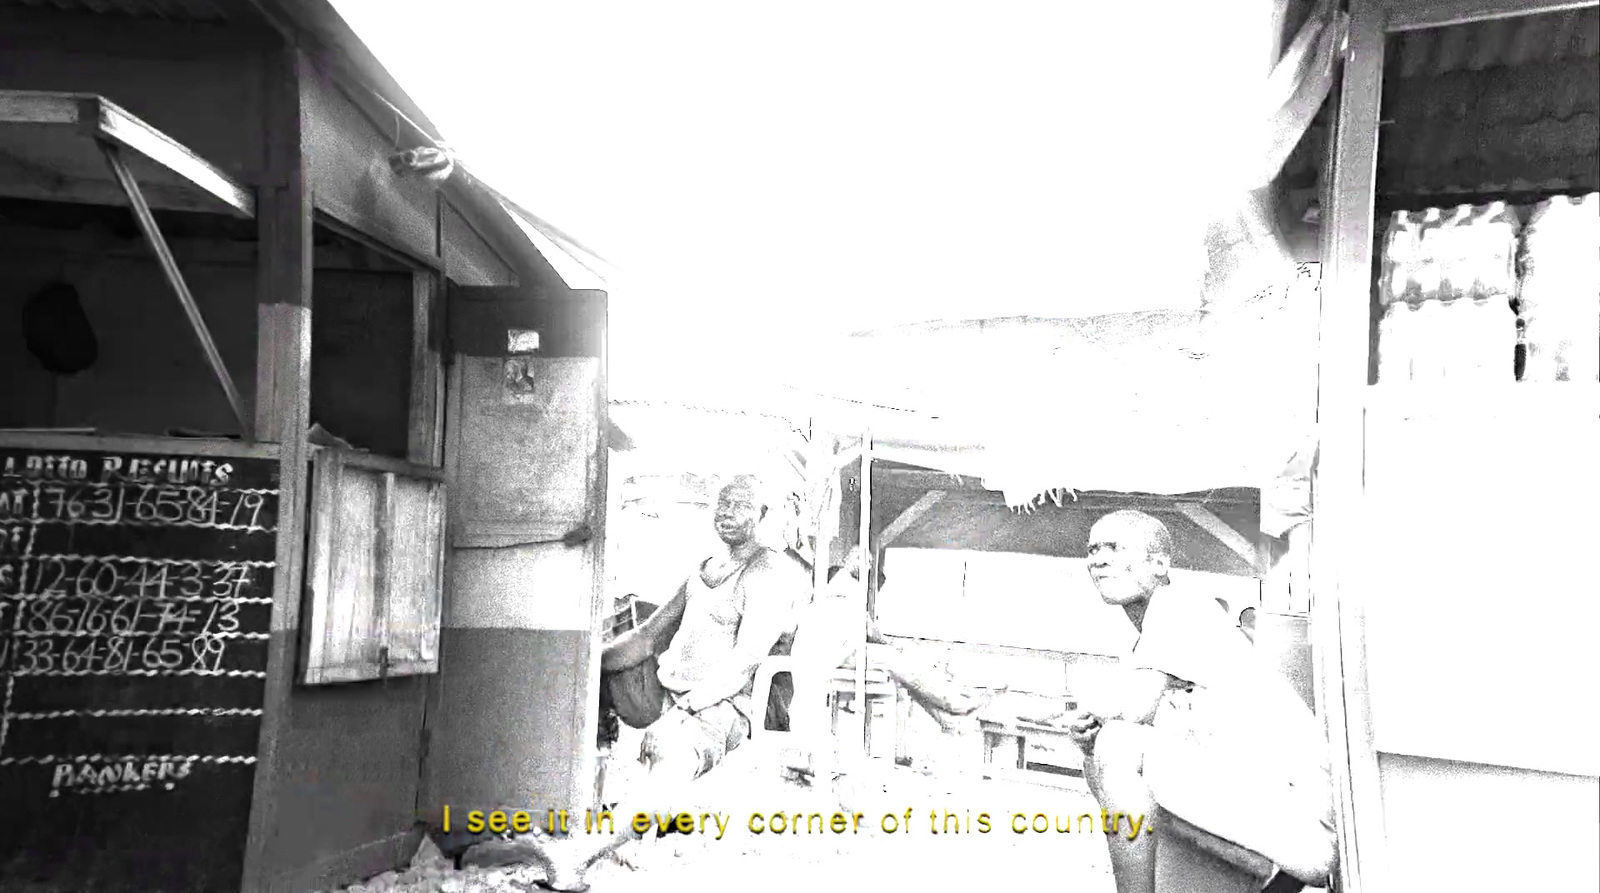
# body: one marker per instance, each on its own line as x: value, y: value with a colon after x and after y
x: 521, y: 387
x: 522, y: 340
x: 521, y: 383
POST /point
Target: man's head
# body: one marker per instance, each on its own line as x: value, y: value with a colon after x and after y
x: 1130, y: 554
x: 740, y: 508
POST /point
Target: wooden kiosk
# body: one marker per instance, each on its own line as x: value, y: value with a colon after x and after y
x: 260, y: 612
x: 1436, y: 604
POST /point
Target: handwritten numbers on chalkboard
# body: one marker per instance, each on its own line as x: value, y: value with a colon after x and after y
x: 39, y: 616
x: 208, y: 651
x: 36, y: 656
x: 97, y: 619
x: 51, y: 585
x: 232, y: 580
x: 135, y: 606
x: 119, y: 654
x: 158, y: 505
x: 125, y: 619
x: 161, y: 654
x: 174, y: 618
x: 180, y: 612
x: 80, y: 655
x: 227, y: 618
x: 152, y: 579
x: 190, y: 582
x: 65, y: 615
x: 203, y: 506
x: 96, y: 580
x: 245, y: 511
x: 103, y: 505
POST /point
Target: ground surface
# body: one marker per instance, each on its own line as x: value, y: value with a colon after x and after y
x: 882, y: 855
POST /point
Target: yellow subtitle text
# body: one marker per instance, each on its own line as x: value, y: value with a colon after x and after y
x: 780, y: 823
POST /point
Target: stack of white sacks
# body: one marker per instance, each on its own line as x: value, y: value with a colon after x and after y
x: 1454, y: 306
x: 1448, y: 280
x: 1560, y: 299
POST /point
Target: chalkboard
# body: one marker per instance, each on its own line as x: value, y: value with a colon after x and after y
x: 135, y: 600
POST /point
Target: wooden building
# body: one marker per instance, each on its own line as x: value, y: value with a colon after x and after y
x: 304, y: 475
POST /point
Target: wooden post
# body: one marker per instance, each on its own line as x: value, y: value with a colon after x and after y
x: 1336, y: 616
x: 821, y: 477
x: 866, y: 584
x: 425, y: 445
x: 282, y: 401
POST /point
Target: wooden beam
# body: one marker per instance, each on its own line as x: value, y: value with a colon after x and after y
x: 1240, y: 544
x: 19, y: 180
x: 169, y: 266
x: 1411, y: 15
x: 210, y: 252
x: 910, y: 479
x: 1337, y: 489
x: 905, y: 519
x: 116, y: 125
x: 97, y: 118
x: 381, y: 463
x: 282, y: 412
x: 411, y: 259
x: 50, y: 439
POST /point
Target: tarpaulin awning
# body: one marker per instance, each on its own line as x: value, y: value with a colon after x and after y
x: 1161, y: 402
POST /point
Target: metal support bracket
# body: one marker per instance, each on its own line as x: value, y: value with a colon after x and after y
x: 169, y: 266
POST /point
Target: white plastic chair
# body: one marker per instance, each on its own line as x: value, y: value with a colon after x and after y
x: 878, y: 687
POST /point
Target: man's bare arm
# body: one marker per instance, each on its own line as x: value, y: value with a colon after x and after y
x: 1138, y: 705
x: 638, y: 644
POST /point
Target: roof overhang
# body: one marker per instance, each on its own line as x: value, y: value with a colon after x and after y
x: 318, y: 28
x: 51, y: 150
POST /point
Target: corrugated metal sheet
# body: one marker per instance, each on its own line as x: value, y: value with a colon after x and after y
x: 1503, y: 106
x: 1498, y: 43
x: 171, y: 10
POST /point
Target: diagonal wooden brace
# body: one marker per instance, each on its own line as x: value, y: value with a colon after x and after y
x: 910, y: 516
x: 169, y: 266
x: 1224, y: 533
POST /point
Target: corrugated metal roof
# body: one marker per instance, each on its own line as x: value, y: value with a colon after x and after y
x: 1503, y: 106
x: 1497, y: 43
x: 171, y: 10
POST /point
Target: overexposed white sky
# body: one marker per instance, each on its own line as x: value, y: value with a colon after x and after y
x: 775, y: 170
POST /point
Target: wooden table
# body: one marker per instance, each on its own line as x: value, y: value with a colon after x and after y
x: 1011, y: 736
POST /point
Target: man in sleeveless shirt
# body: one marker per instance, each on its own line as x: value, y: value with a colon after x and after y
x: 1189, y: 648
x: 733, y: 608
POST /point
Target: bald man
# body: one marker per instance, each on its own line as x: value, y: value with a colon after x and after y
x: 1189, y: 651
